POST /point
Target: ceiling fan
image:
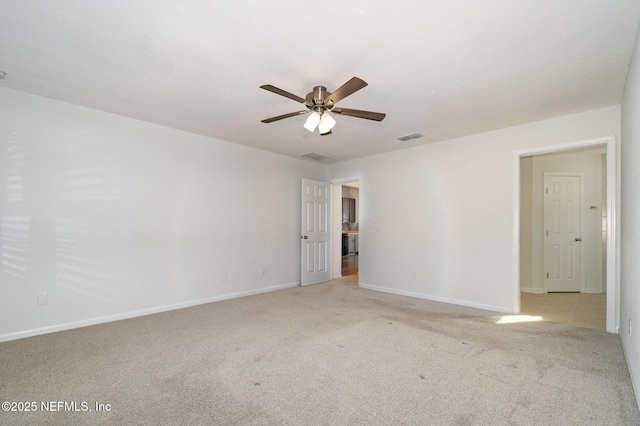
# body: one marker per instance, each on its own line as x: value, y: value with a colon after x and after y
x: 319, y: 102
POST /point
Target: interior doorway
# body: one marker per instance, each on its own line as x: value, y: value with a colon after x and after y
x: 597, y: 159
x: 346, y: 242
x: 350, y: 228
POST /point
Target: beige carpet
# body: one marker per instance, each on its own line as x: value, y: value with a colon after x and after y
x: 329, y: 354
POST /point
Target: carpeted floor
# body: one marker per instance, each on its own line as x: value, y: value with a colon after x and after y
x: 328, y: 354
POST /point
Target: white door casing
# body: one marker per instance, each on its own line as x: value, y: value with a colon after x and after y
x: 315, y: 235
x: 563, y: 232
x: 613, y: 219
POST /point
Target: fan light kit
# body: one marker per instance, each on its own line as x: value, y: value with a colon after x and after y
x: 322, y: 120
x: 319, y: 102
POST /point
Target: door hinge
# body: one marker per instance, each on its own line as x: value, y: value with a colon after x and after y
x: 547, y: 275
x: 546, y: 190
x: 547, y: 232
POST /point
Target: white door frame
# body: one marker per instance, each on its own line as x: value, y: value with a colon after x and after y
x: 613, y: 246
x: 336, y: 229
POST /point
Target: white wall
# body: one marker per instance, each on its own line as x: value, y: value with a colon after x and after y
x: 526, y: 225
x: 453, y: 226
x: 630, y: 221
x: 113, y: 217
x: 589, y: 164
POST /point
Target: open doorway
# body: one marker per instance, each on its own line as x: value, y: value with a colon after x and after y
x: 592, y: 302
x: 346, y: 241
x: 350, y: 228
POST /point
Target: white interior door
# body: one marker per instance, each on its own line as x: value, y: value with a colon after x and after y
x: 563, y: 232
x: 315, y: 234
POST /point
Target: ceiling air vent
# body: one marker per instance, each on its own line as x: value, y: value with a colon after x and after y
x: 409, y: 137
x: 315, y: 156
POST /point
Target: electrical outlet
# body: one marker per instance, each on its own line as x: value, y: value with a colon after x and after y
x: 263, y: 271
x: 413, y: 274
x: 223, y: 277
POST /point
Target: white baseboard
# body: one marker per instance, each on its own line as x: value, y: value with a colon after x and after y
x: 438, y: 299
x: 532, y: 290
x: 541, y: 290
x: 634, y: 371
x: 133, y: 314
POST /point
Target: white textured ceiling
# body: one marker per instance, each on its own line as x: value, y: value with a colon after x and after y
x: 441, y: 68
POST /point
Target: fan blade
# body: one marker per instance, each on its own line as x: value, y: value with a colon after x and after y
x: 281, y: 92
x: 375, y: 116
x: 280, y: 117
x: 345, y: 90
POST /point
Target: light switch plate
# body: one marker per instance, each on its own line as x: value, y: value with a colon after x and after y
x: 43, y: 298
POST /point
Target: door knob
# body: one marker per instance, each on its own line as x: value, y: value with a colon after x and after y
x: 578, y: 239
x: 305, y: 237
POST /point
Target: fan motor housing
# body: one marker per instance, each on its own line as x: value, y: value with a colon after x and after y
x: 317, y: 97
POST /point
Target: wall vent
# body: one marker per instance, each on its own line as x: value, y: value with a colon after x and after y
x: 412, y: 136
x: 315, y: 156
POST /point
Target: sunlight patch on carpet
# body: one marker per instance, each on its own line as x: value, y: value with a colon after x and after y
x: 512, y: 319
